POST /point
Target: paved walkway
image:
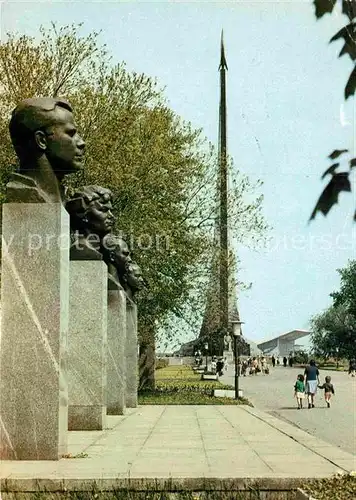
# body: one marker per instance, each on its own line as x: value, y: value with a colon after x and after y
x: 185, y: 442
x: 274, y: 393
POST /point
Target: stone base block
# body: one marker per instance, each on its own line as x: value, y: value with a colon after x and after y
x: 229, y: 355
x: 116, y: 363
x: 227, y: 393
x: 34, y: 300
x: 131, y: 354
x: 86, y: 418
x: 87, y: 344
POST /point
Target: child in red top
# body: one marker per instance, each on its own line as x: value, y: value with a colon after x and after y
x: 329, y: 390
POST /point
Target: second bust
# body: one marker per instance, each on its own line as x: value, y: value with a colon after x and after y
x: 91, y: 218
x: 91, y: 223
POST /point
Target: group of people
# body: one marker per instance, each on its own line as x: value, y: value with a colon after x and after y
x: 253, y: 366
x: 308, y: 384
x: 285, y: 361
x: 218, y: 365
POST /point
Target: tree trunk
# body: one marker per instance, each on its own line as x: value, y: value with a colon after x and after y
x: 147, y: 355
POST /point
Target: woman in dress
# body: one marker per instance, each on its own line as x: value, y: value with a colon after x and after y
x: 311, y: 375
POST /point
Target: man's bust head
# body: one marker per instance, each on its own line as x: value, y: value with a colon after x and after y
x: 91, y: 218
x: 44, y: 127
x: 134, y: 279
x: 116, y: 253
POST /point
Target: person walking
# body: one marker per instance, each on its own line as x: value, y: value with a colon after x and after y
x: 273, y: 361
x: 254, y: 365
x: 328, y: 390
x: 311, y: 374
x: 352, y: 367
x: 285, y: 361
x: 213, y: 365
x: 244, y: 368
x: 263, y: 365
x: 226, y: 365
x: 220, y: 367
x: 299, y: 390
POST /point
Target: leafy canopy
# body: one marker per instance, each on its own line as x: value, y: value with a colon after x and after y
x: 161, y: 171
x: 334, y: 330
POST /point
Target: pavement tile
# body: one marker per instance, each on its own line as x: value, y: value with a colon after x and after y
x: 297, y: 455
x: 310, y: 470
x: 266, y: 448
x: 348, y: 465
x: 189, y: 442
x: 226, y: 445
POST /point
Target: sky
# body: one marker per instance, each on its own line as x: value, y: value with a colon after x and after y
x: 286, y: 113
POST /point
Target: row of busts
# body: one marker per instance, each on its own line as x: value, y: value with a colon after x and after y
x: 92, y: 238
x: 48, y: 147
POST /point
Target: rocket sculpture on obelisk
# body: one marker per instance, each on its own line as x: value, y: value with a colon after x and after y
x: 221, y: 304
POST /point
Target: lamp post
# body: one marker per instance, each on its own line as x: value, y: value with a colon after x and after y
x: 236, y: 331
x: 337, y: 357
x: 206, y: 345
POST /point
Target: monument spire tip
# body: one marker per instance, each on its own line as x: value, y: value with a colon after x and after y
x: 223, y: 63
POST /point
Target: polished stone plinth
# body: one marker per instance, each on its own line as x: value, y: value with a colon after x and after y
x: 87, y: 345
x: 131, y: 354
x: 116, y: 365
x: 34, y: 326
x: 229, y: 355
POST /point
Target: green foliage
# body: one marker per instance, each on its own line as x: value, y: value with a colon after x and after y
x: 346, y: 296
x: 198, y: 386
x: 333, y: 333
x: 339, y: 487
x: 186, y: 398
x: 301, y: 357
x: 334, y: 330
x: 180, y: 385
x: 323, y: 7
x: 161, y: 363
x: 161, y: 171
x: 340, y: 181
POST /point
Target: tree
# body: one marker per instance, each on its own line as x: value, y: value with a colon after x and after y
x: 340, y: 181
x: 334, y: 330
x: 346, y: 296
x: 300, y: 357
x: 161, y: 171
x: 333, y: 333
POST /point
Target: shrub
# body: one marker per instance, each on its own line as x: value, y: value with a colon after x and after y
x: 161, y: 363
x: 339, y: 487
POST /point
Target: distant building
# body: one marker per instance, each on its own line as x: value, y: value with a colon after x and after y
x: 284, y: 344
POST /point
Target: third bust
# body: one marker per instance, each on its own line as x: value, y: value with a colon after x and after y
x: 116, y: 254
x: 134, y: 280
x: 48, y: 147
x: 91, y: 218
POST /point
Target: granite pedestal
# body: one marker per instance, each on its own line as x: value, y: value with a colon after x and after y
x: 87, y: 345
x: 116, y: 364
x: 229, y: 355
x: 131, y: 354
x: 34, y: 299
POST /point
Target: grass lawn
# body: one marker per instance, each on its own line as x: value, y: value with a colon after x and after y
x: 179, y: 385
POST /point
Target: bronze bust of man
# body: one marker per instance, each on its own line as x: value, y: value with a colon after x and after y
x: 122, y: 270
x: 134, y: 280
x: 91, y: 218
x: 116, y: 254
x: 48, y: 146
